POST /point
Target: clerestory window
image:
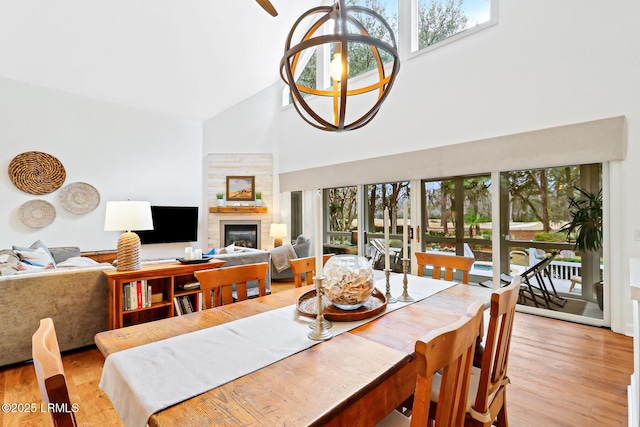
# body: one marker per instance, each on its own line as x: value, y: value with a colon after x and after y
x: 445, y: 20
x: 426, y: 23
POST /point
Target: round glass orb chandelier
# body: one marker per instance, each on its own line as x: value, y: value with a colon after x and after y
x: 340, y: 37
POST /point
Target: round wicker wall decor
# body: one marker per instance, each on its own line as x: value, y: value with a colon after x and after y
x: 79, y: 197
x: 35, y: 172
x: 37, y: 213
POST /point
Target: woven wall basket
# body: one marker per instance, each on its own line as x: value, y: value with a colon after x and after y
x: 37, y: 213
x: 79, y: 198
x: 35, y: 172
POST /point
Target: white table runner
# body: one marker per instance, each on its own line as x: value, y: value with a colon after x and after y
x: 145, y: 379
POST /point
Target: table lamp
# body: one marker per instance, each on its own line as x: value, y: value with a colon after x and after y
x: 278, y: 231
x: 127, y: 216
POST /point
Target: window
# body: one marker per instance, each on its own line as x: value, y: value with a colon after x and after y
x: 342, y: 205
x: 462, y: 228
x: 535, y: 206
x: 361, y: 58
x: 435, y: 21
x: 313, y: 69
x: 439, y: 20
x: 296, y: 214
x: 389, y: 195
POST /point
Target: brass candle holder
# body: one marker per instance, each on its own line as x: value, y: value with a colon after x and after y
x: 320, y: 326
x: 405, y: 297
x: 387, y: 295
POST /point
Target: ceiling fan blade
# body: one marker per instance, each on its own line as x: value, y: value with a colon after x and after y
x: 266, y: 5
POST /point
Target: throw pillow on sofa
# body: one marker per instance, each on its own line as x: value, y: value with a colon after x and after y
x: 37, y: 258
x: 8, y: 262
x: 34, y: 246
x: 228, y: 250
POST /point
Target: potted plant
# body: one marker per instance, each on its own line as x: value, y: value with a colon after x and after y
x: 258, y: 198
x: 220, y: 197
x: 586, y: 226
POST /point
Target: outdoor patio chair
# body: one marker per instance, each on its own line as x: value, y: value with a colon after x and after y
x: 537, y: 285
x: 378, y: 255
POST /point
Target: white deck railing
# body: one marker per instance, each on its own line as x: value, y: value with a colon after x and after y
x: 565, y: 270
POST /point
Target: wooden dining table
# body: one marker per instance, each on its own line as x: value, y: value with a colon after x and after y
x: 354, y: 379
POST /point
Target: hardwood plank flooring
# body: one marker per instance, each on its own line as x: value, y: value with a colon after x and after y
x: 562, y: 374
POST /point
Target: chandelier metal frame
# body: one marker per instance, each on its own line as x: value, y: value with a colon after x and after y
x: 339, y: 90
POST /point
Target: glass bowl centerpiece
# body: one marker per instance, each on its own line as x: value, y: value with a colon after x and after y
x: 348, y: 281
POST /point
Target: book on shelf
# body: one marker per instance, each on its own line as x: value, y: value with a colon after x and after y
x: 190, y: 286
x: 139, y: 294
x: 186, y: 304
x: 136, y: 295
x: 199, y: 302
x: 176, y: 304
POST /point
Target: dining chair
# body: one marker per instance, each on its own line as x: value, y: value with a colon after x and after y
x: 487, y: 396
x: 306, y: 266
x: 47, y: 362
x: 449, y: 350
x: 449, y: 263
x: 217, y: 284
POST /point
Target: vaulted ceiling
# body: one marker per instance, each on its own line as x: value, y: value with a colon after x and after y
x: 190, y: 58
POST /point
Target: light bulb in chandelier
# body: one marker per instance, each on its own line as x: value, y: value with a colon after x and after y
x: 335, y: 67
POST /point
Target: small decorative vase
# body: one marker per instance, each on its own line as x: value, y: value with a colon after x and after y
x: 258, y: 202
x: 220, y: 202
x: 348, y: 281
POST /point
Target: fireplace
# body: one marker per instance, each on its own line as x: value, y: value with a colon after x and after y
x: 241, y: 233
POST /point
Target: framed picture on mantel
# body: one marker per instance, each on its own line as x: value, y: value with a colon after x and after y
x: 241, y: 188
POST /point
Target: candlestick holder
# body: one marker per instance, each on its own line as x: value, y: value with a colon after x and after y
x: 320, y: 331
x: 405, y: 297
x: 387, y: 295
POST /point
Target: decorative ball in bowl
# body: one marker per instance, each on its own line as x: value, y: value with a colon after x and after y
x: 348, y: 281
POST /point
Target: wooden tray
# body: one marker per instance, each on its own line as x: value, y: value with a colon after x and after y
x: 307, y: 305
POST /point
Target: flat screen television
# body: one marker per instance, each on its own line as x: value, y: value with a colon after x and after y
x: 171, y: 224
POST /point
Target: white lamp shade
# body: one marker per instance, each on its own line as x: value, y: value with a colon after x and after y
x: 127, y: 216
x: 278, y: 230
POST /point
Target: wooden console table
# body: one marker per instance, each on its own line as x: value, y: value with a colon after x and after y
x: 165, y: 281
x: 101, y: 256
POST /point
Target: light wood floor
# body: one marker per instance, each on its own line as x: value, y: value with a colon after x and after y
x: 562, y: 374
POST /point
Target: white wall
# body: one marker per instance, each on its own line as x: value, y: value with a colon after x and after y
x: 249, y: 127
x: 544, y: 64
x: 123, y: 152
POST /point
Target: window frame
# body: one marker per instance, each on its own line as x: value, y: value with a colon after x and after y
x: 409, y: 44
x: 407, y: 41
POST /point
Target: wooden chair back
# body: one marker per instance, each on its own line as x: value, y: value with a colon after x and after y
x: 306, y: 266
x: 449, y: 349
x: 490, y: 397
x: 217, y: 284
x: 47, y: 362
x: 447, y: 262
